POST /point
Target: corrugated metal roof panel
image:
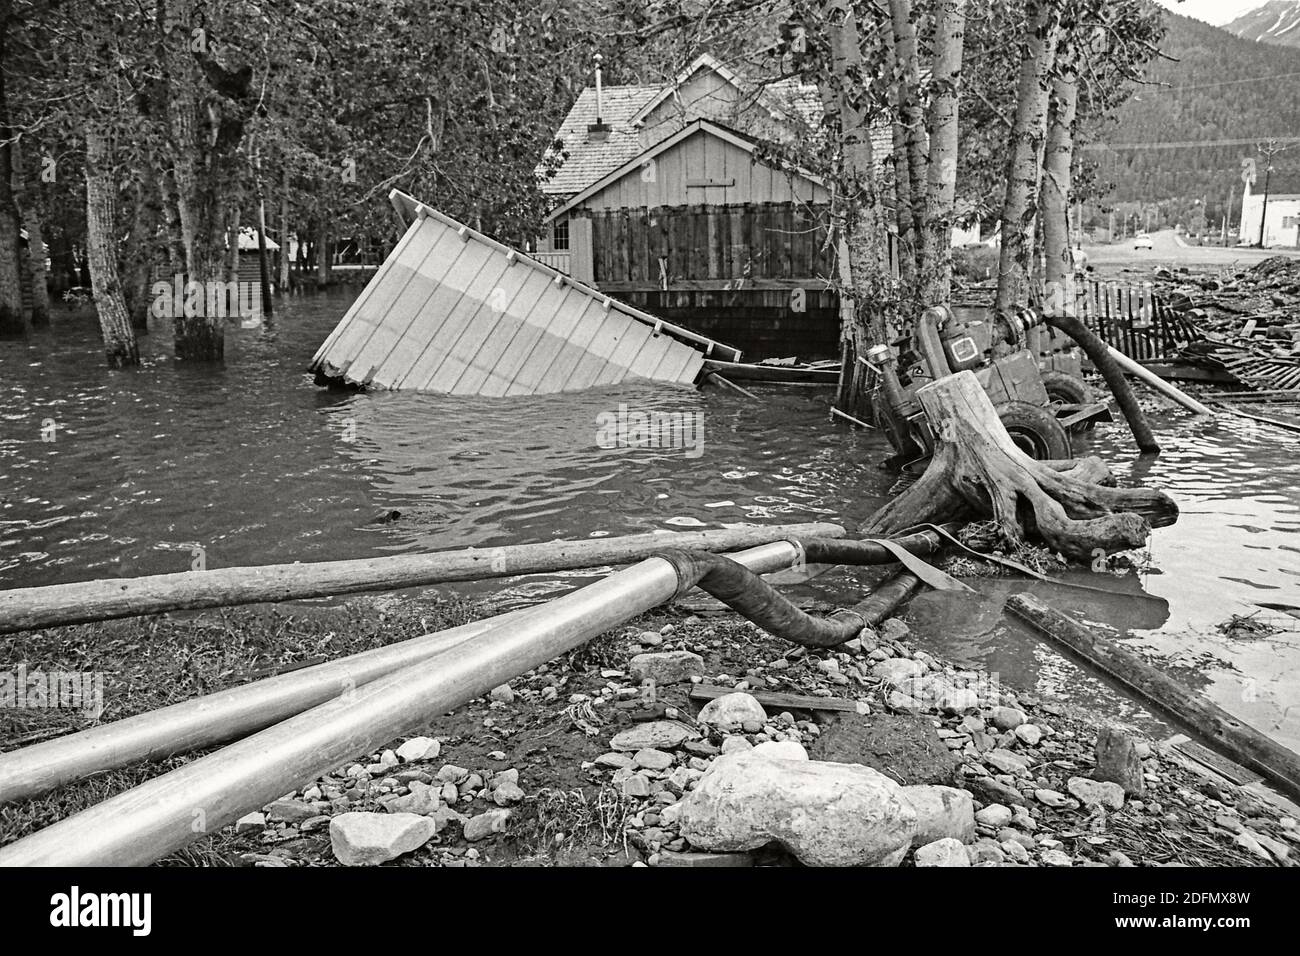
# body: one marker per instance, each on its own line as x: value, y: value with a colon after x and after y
x: 453, y: 311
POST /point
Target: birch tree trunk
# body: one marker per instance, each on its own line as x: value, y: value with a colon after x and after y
x: 904, y: 217
x: 1058, y: 161
x: 865, y: 288
x: 101, y: 251
x: 29, y: 213
x: 945, y: 83
x: 911, y: 114
x: 1023, y: 165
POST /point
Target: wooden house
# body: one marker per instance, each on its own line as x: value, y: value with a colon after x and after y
x: 666, y: 198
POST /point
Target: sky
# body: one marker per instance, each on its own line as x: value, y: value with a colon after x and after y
x: 1217, y: 12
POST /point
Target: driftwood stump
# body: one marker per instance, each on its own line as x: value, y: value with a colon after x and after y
x: 978, y: 470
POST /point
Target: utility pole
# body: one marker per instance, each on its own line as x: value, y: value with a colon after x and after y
x: 1269, y: 150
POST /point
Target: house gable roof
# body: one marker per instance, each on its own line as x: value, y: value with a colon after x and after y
x: 700, y: 126
x: 789, y: 102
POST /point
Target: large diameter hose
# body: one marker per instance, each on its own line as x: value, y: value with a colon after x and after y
x: 1100, y: 353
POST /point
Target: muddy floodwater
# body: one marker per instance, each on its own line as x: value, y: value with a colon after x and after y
x: 156, y: 470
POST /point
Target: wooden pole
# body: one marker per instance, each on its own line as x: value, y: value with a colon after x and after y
x: 29, y: 608
x: 1224, y: 732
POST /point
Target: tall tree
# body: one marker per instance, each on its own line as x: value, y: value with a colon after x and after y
x: 942, y: 126
x: 1038, y: 56
x: 101, y: 213
x: 13, y: 317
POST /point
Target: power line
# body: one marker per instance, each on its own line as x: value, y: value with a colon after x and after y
x: 1211, y: 86
x: 1191, y: 143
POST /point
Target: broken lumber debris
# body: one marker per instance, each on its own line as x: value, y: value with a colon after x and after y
x: 453, y: 311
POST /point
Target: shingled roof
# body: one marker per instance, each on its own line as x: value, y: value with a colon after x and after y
x: 586, y: 161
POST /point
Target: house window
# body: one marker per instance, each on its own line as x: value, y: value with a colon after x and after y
x: 560, y: 236
x: 1290, y: 222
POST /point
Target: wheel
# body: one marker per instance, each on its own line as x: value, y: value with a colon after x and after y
x: 1035, y: 431
x: 1065, y: 389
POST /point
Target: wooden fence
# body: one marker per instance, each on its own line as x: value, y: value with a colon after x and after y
x: 710, y: 248
x: 1135, y: 320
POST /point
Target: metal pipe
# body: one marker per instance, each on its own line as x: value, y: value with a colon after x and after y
x: 928, y: 340
x: 215, y: 718
x: 238, y: 711
x: 170, y: 811
x: 1158, y: 384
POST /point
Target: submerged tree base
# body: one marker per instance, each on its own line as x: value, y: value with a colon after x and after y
x: 199, y: 339
x: 978, y: 469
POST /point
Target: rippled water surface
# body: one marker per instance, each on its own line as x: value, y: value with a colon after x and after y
x: 123, y: 473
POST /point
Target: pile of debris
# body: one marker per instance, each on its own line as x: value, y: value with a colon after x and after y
x: 1250, y: 320
x: 871, y: 753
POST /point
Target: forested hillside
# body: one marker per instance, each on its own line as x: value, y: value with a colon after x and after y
x: 1212, y: 87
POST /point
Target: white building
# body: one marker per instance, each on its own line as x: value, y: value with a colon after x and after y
x: 1283, y: 226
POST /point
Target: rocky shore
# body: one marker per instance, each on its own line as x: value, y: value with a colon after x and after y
x: 871, y: 754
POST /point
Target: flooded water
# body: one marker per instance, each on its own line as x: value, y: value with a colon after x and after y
x: 125, y: 473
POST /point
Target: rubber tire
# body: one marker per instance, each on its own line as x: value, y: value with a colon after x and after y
x: 1035, y: 431
x: 1065, y: 389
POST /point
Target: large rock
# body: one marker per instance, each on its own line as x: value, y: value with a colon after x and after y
x: 422, y: 799
x: 486, y: 824
x: 904, y: 748
x: 941, y: 813
x: 826, y: 814
x: 731, y: 712
x: 1118, y: 761
x: 655, y: 735
x: 419, y: 748
x: 1096, y: 792
x: 945, y: 852
x: 368, y: 839
x: 666, y: 667
x: 897, y: 669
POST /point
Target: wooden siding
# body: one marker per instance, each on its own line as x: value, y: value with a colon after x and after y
x: 453, y: 311
x: 711, y: 248
x: 669, y: 179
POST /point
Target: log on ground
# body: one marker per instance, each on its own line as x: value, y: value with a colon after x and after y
x: 77, y: 603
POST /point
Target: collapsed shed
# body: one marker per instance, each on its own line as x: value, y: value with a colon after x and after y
x: 453, y: 311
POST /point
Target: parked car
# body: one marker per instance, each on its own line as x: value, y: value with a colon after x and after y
x: 1143, y: 241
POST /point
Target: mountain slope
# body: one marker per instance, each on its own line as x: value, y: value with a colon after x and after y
x: 1216, y: 87
x: 1277, y: 21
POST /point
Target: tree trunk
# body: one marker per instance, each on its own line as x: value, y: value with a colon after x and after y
x: 26, y: 201
x: 140, y: 250
x: 865, y: 289
x: 1023, y: 164
x: 101, y: 251
x: 945, y: 82
x: 322, y: 251
x: 284, y: 233
x: 910, y: 112
x: 904, y: 217
x: 13, y: 317
x: 1058, y: 161
x: 977, y: 468
x: 206, y: 111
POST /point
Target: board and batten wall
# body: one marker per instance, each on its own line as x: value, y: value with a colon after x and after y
x: 701, y: 170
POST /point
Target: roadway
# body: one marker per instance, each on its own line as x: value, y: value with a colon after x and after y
x: 1170, y: 251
